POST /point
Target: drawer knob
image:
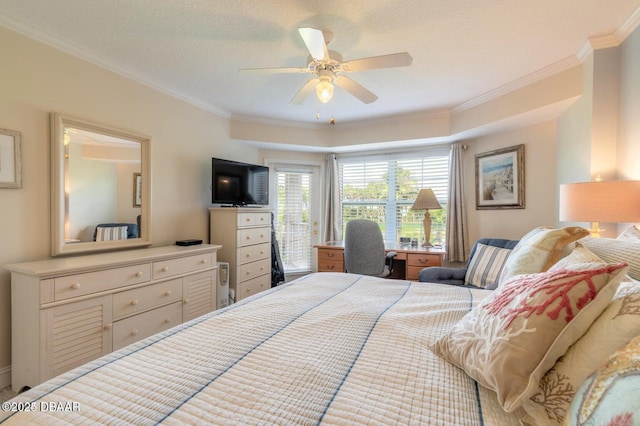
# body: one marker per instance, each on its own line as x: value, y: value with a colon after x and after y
x: 167, y: 320
x: 330, y: 267
x: 261, y: 251
x: 248, y: 220
x: 138, y: 274
x: 330, y: 254
x: 203, y: 260
x: 185, y: 301
x: 167, y: 293
x: 248, y: 237
x: 248, y: 255
x: 134, y: 302
x: 261, y: 235
x: 165, y: 269
x: 248, y: 273
x: 107, y: 326
x: 134, y: 332
x: 75, y: 286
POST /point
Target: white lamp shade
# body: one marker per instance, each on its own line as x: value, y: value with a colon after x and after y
x: 615, y: 201
x: 426, y: 200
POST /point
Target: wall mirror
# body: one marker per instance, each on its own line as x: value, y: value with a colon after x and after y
x: 100, y: 187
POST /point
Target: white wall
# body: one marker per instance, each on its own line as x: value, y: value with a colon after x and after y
x: 36, y: 80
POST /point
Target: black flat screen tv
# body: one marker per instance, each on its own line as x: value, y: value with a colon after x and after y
x: 239, y: 184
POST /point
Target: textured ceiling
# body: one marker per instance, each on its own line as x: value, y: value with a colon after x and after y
x: 193, y: 49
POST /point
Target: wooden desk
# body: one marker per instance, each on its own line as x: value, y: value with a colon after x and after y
x: 407, y: 264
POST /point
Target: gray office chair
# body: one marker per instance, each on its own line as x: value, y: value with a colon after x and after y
x: 364, y: 249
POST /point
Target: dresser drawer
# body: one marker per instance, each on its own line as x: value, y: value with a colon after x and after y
x: 252, y: 253
x: 330, y: 255
x: 330, y: 266
x: 424, y: 259
x: 248, y: 219
x: 93, y: 282
x: 138, y: 327
x: 144, y: 298
x: 183, y: 265
x: 253, y: 286
x: 254, y: 269
x: 250, y: 236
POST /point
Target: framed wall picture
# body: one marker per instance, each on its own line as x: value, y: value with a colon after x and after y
x: 10, y: 159
x: 137, y: 189
x: 500, y: 179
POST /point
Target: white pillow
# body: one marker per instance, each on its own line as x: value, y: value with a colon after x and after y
x: 632, y: 233
x: 486, y: 265
x: 613, y: 251
x: 108, y: 233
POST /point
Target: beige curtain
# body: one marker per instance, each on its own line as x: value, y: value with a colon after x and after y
x: 457, y: 239
x: 332, y: 226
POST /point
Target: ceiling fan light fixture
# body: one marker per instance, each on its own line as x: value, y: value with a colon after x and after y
x: 324, y: 89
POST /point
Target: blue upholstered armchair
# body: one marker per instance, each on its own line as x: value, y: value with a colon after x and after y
x: 485, y: 263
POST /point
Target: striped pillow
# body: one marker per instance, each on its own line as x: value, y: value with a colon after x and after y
x: 613, y: 250
x: 486, y: 265
x: 107, y: 233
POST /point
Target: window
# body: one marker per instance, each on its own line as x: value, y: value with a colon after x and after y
x: 383, y: 189
x: 293, y: 219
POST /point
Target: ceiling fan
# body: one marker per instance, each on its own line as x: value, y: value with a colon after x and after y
x: 328, y: 67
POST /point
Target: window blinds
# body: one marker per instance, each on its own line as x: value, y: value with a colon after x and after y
x: 383, y: 190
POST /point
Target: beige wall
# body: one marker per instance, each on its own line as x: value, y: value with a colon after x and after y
x: 36, y: 80
x: 540, y: 184
x: 600, y: 133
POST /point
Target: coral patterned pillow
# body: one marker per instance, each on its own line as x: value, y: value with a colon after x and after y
x: 538, y: 250
x: 518, y: 333
x: 617, y: 325
x: 611, y: 396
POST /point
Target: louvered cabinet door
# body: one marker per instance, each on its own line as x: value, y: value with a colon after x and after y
x: 74, y: 334
x: 198, y: 294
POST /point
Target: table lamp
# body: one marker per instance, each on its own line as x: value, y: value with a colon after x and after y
x: 615, y: 201
x: 426, y: 200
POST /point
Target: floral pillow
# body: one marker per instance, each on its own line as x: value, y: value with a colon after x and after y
x: 516, y: 334
x: 538, y: 250
x: 611, y: 396
x: 617, y: 325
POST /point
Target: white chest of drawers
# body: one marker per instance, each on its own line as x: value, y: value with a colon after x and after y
x: 68, y: 311
x: 245, y: 235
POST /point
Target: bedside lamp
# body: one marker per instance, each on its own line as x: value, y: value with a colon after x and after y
x: 615, y: 201
x: 426, y: 200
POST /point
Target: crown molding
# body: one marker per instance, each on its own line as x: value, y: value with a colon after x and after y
x: 91, y: 57
x: 528, y: 79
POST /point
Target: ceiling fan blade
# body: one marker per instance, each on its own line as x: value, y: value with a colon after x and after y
x: 355, y: 89
x: 376, y: 62
x: 304, y: 91
x: 273, y: 71
x: 314, y: 39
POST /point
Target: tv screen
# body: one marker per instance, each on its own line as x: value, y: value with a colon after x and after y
x: 239, y: 183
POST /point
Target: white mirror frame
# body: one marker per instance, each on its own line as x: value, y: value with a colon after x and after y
x: 58, y: 246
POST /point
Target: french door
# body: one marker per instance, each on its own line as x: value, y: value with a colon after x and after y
x: 296, y: 195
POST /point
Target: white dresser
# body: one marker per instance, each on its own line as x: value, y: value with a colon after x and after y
x: 68, y: 311
x: 245, y: 235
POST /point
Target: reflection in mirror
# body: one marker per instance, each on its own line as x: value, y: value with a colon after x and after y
x: 100, y: 187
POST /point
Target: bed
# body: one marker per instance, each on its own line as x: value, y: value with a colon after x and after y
x: 337, y: 348
x: 327, y: 348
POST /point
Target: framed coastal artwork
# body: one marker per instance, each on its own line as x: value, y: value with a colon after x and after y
x: 500, y: 179
x: 10, y: 159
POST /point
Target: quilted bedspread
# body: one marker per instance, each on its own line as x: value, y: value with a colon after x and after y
x: 329, y: 348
